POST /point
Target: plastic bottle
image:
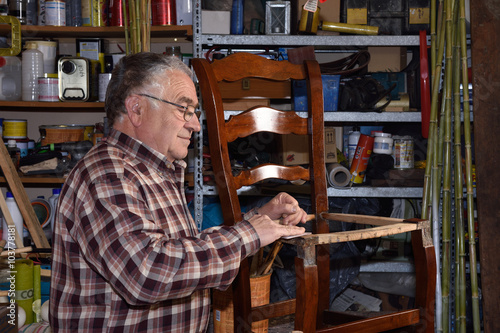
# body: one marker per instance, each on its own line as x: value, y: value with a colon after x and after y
x: 237, y: 17
x: 14, y: 152
x: 353, y: 143
x: 53, y: 201
x: 10, y: 78
x: 16, y: 217
x: 32, y: 69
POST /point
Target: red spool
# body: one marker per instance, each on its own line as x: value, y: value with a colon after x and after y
x: 163, y: 12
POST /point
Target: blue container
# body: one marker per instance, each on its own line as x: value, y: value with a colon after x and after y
x: 330, y: 93
x: 237, y: 17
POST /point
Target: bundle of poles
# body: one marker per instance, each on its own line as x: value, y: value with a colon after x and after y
x: 137, y: 26
x: 444, y: 174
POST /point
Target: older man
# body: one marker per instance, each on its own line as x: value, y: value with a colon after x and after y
x: 127, y: 256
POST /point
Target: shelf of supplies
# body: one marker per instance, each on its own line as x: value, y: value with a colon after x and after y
x: 52, y: 106
x: 355, y: 116
x: 300, y: 40
x: 356, y: 191
x: 34, y: 31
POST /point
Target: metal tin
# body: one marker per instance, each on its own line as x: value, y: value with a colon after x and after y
x: 163, y: 12
x: 403, y: 152
x: 48, y: 86
x: 116, y: 13
x: 55, y: 13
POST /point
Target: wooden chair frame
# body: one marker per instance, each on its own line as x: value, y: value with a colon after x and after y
x: 312, y: 262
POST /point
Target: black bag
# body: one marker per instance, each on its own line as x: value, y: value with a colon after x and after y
x: 363, y: 94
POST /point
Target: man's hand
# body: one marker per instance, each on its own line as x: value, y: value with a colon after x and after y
x: 269, y: 231
x: 283, y: 206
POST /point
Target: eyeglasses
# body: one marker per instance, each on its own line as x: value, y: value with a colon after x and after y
x: 188, y: 111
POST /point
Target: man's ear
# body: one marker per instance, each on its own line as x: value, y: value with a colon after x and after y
x: 135, y: 110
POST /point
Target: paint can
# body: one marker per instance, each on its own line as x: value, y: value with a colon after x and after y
x: 15, y: 128
x: 403, y: 152
x: 163, y: 12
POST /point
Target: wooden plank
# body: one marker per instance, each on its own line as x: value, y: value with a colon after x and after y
x: 485, y: 46
x: 22, y: 200
x: 361, y: 219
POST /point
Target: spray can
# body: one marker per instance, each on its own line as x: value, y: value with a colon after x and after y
x: 353, y: 143
x: 361, y: 158
x: 53, y: 201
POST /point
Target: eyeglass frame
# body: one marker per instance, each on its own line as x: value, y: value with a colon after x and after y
x: 187, y: 115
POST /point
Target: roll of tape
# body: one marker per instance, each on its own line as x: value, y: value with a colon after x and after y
x: 337, y: 175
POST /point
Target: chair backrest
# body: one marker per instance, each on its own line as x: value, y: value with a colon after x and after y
x: 241, y: 66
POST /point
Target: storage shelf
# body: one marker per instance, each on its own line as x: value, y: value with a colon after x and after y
x: 37, y: 179
x: 346, y: 192
x: 354, y: 116
x: 300, y: 40
x: 52, y: 106
x: 34, y: 31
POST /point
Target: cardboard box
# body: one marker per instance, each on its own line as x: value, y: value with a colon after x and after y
x: 387, y: 59
x: 215, y: 22
x: 329, y: 10
x: 294, y: 148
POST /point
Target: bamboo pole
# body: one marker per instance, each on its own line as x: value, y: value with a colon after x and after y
x: 460, y: 289
x: 138, y: 25
x: 126, y: 27
x: 468, y: 172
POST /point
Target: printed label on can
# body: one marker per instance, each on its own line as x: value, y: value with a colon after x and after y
x: 403, y: 154
x: 49, y: 89
x: 55, y: 13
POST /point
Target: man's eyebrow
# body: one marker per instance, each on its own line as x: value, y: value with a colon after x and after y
x: 187, y: 100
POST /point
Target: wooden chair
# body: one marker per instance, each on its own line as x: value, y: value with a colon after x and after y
x: 312, y: 262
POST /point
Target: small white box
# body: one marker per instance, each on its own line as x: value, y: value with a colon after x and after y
x: 215, y: 22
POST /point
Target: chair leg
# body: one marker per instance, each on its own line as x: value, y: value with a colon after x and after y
x: 307, y: 296
x: 425, y: 270
x: 242, y: 299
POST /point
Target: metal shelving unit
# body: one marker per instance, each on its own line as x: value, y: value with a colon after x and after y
x: 205, y: 41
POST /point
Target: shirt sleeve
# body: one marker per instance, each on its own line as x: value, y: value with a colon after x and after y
x: 123, y: 241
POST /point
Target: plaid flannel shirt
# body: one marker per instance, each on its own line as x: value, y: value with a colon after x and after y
x: 127, y: 256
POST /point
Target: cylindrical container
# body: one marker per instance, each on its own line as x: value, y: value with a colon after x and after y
x: 383, y: 143
x: 55, y: 13
x: 48, y: 87
x: 103, y: 85
x: 49, y: 51
x: 237, y: 17
x: 24, y: 287
x: 17, y: 8
x: 76, y: 13
x: 337, y: 175
x: 61, y: 133
x: 10, y: 78
x: 116, y: 13
x: 32, y: 69
x: 309, y: 21
x: 41, y: 12
x: 163, y: 12
x: 361, y: 158
x: 68, y: 13
x: 15, y: 128
x: 403, y: 152
x: 174, y: 51
x: 353, y: 143
x: 54, y: 200
x: 14, y: 152
x: 31, y: 12
x: 22, y: 145
x: 15, y: 213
